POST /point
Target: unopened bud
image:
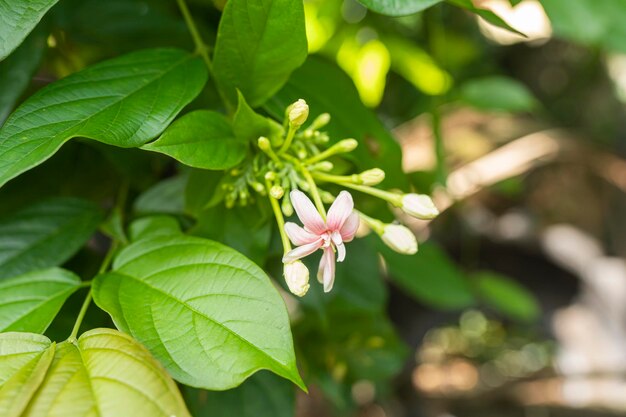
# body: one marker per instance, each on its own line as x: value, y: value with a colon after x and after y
x: 323, y: 166
x: 286, y: 206
x: 258, y: 187
x: 297, y: 277
x: 277, y: 192
x: 372, y: 176
x: 420, y: 206
x: 400, y: 239
x: 326, y: 197
x: 270, y: 175
x: 298, y: 113
x: 320, y: 121
x: 264, y: 144
x: 346, y: 145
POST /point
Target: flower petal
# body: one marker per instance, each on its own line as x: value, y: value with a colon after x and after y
x: 341, y: 248
x: 340, y: 211
x: 329, y: 269
x: 298, y: 235
x: 349, y: 228
x: 321, y: 268
x: 307, y: 213
x: 302, y: 251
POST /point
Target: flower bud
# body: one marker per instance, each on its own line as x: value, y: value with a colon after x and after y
x: 277, y: 192
x: 320, y: 121
x: 264, y: 144
x: 270, y: 175
x: 286, y: 206
x: 372, y: 176
x: 323, y: 166
x: 258, y: 187
x: 346, y: 145
x: 420, y: 206
x: 399, y: 238
x: 297, y: 277
x: 298, y: 113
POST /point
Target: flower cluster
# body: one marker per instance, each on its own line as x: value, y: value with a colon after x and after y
x: 293, y: 165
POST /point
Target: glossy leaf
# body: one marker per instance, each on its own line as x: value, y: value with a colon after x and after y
x: 17, y: 70
x: 259, y: 43
x: 398, y: 7
x: 429, y: 276
x: 154, y: 226
x: 498, y: 93
x: 262, y: 395
x: 163, y: 197
x: 24, y: 360
x: 106, y: 373
x: 249, y: 125
x: 18, y: 18
x: 209, y: 314
x: 29, y: 302
x: 507, y: 296
x: 328, y: 89
x: 125, y: 102
x: 201, y: 139
x: 45, y: 234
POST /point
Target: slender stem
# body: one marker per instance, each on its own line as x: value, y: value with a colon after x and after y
x: 202, y: 49
x: 279, y: 219
x: 321, y: 156
x: 393, y: 198
x: 440, y: 152
x: 374, y: 224
x: 290, y: 135
x: 313, y: 190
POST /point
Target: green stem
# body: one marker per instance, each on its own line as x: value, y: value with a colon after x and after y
x: 313, y: 190
x: 440, y: 151
x: 290, y: 135
x: 202, y: 49
x: 374, y: 224
x: 393, y: 198
x: 279, y: 219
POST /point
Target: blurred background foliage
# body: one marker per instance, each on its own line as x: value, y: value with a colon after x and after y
x: 514, y: 306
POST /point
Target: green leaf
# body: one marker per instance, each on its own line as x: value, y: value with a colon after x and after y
x: 209, y: 314
x: 125, y: 102
x: 18, y: 18
x: 45, y: 234
x: 201, y: 139
x: 249, y: 125
x: 506, y: 296
x: 498, y: 93
x: 17, y: 70
x: 259, y: 43
x: 164, y: 197
x: 29, y: 302
x: 398, y: 7
x: 201, y: 187
x: 106, y: 373
x: 262, y: 395
x: 24, y: 360
x: 429, y: 276
x: 154, y: 226
x: 328, y: 89
x: 488, y: 15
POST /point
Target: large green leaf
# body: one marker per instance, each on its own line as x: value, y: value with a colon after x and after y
x: 201, y: 139
x: 398, y: 7
x: 17, y: 19
x: 209, y: 314
x: 259, y: 43
x: 328, y: 89
x: 29, y: 302
x: 262, y: 395
x: 45, y: 234
x: 17, y: 70
x: 105, y: 373
x: 498, y: 93
x: 429, y: 276
x: 159, y: 225
x: 24, y: 360
x: 506, y: 296
x: 166, y: 196
x: 249, y: 125
x: 125, y: 102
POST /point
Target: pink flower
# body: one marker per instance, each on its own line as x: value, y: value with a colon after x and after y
x: 329, y: 235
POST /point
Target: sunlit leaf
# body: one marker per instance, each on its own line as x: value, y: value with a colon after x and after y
x: 201, y: 139
x: 29, y: 302
x: 507, y: 296
x: 125, y: 102
x: 45, y: 234
x: 18, y: 18
x: 429, y: 276
x: 209, y: 314
x: 486, y: 14
x: 259, y: 43
x: 105, y: 373
x: 398, y: 7
x: 24, y: 360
